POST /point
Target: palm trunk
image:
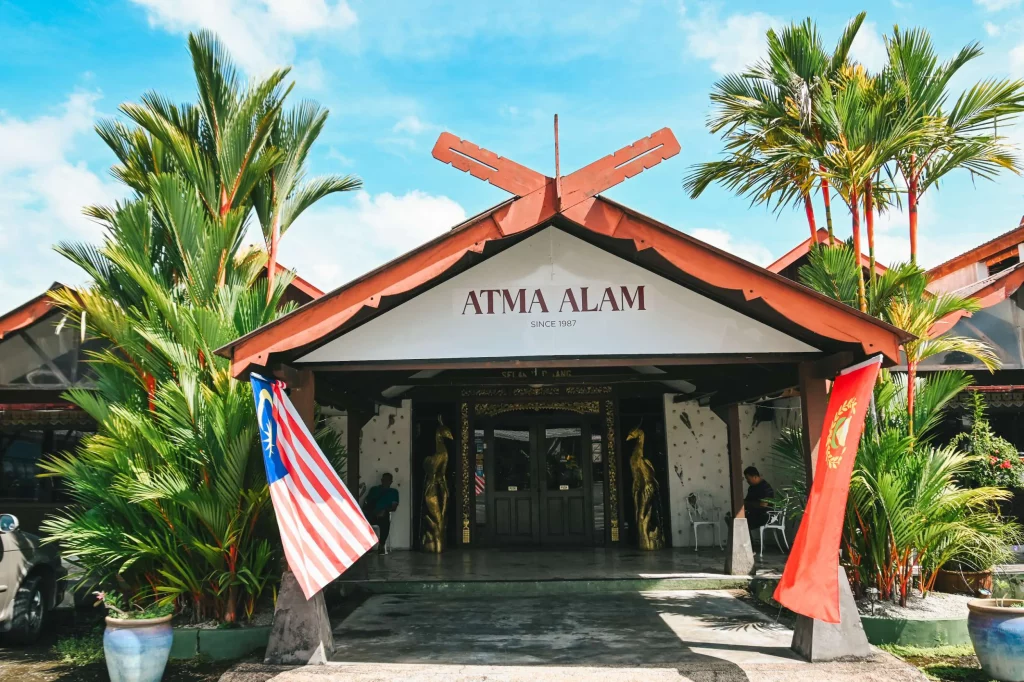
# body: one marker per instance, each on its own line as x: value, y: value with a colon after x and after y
x: 869, y: 219
x: 912, y: 204
x: 809, y: 210
x: 855, y: 217
x: 911, y: 389
x: 275, y: 239
x: 828, y: 206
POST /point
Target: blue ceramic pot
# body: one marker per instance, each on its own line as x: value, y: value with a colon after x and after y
x: 997, y: 631
x: 137, y: 650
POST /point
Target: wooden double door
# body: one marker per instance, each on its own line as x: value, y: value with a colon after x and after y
x: 540, y: 479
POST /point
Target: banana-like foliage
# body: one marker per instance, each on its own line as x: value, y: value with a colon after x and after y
x: 170, y: 495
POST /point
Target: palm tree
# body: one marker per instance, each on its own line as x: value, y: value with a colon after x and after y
x: 898, y: 296
x: 282, y: 196
x: 170, y: 495
x: 861, y: 130
x: 967, y: 133
x: 756, y: 110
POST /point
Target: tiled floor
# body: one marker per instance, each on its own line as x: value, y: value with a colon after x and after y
x: 541, y: 564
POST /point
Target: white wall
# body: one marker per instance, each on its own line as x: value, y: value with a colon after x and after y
x: 698, y: 458
x: 386, y: 446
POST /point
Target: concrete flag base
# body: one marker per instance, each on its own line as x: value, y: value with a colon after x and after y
x: 301, y: 634
x: 818, y: 641
x: 739, y: 552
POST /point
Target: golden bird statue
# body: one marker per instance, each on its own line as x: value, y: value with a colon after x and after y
x: 435, y: 491
x: 646, y: 496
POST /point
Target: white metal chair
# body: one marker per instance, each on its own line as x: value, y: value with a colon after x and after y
x: 702, y: 512
x: 777, y: 523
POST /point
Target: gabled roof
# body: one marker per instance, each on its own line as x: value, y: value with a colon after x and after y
x: 28, y: 312
x: 982, y: 252
x: 38, y: 307
x: 763, y: 295
x: 804, y: 247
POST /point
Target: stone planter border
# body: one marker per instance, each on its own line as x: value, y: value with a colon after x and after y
x: 917, y: 633
x: 219, y: 644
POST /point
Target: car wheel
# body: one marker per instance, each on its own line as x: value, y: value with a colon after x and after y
x: 29, y: 611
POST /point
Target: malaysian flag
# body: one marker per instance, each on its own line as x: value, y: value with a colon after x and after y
x: 322, y: 528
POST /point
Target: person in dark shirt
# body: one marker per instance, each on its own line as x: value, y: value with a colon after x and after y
x: 758, y: 499
x: 378, y: 504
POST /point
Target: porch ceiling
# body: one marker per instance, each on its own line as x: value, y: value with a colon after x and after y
x: 734, y: 380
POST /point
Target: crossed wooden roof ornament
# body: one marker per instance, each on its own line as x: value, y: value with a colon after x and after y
x: 540, y: 197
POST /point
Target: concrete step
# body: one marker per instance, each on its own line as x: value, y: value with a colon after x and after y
x: 542, y: 587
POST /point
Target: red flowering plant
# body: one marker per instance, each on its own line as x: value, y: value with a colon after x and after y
x: 998, y: 463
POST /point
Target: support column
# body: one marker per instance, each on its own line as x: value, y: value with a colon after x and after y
x: 813, y: 403
x: 353, y: 434
x: 739, y: 553
x: 816, y: 640
x: 301, y: 634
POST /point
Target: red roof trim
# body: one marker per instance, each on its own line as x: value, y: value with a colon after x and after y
x: 29, y: 312
x: 299, y: 283
x: 980, y: 252
x: 317, y: 319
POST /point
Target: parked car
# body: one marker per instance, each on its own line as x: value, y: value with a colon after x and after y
x: 32, y: 582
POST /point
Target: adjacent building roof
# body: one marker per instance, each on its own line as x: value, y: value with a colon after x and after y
x: 794, y: 255
x: 1005, y: 242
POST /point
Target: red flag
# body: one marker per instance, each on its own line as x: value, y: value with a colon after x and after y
x: 810, y: 584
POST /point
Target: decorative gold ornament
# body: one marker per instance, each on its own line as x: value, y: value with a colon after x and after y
x: 580, y: 407
x: 646, y: 496
x: 435, y: 491
x: 613, y: 469
x: 467, y: 473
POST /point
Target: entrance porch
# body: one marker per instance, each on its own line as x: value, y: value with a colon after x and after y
x: 525, y: 571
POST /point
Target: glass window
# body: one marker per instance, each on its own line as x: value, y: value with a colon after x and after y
x: 480, y: 449
x: 20, y: 454
x: 512, y: 459
x: 563, y: 452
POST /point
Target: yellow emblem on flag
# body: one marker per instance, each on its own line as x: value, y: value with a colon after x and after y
x: 835, y: 445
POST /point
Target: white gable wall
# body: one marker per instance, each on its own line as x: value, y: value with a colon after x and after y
x: 555, y: 295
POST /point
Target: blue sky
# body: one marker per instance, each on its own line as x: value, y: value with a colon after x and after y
x: 394, y: 74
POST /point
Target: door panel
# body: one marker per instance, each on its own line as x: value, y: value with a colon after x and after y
x: 564, y: 482
x: 514, y: 483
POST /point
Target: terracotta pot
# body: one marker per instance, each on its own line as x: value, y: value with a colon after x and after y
x: 137, y: 649
x: 963, y: 582
x: 997, y: 632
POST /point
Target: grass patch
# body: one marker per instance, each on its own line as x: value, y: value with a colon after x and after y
x: 79, y: 650
x: 944, y: 663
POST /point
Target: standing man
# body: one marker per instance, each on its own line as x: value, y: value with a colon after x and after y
x: 758, y: 499
x: 378, y: 504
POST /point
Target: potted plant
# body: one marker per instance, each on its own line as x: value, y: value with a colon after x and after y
x: 970, y: 571
x: 997, y: 632
x: 137, y: 639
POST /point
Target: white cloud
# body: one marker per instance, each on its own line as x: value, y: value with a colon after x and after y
x: 730, y: 44
x: 996, y: 5
x: 1017, y: 59
x: 745, y: 249
x: 868, y: 48
x: 42, y: 192
x: 992, y: 29
x: 412, y: 125
x: 367, y: 232
x: 260, y: 34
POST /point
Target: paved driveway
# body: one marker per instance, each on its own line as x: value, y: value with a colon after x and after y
x: 686, y: 635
